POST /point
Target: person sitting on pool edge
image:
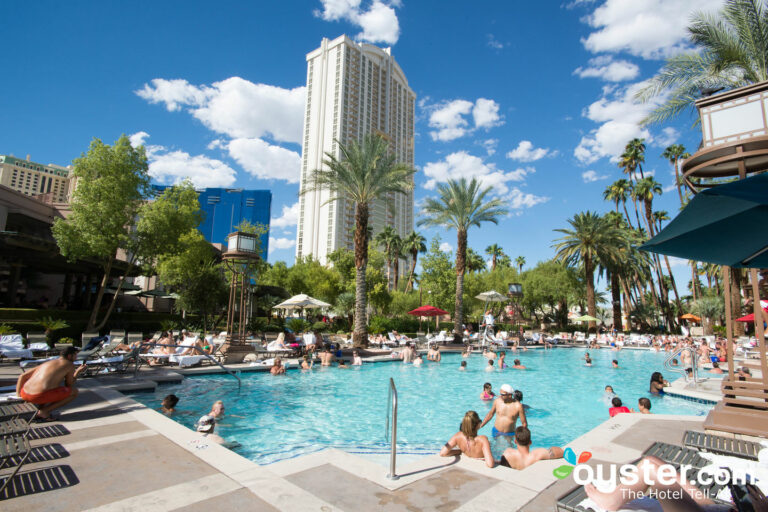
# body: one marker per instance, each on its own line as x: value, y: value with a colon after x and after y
x: 467, y: 442
x: 277, y: 367
x: 507, y: 410
x: 618, y: 407
x: 522, y: 456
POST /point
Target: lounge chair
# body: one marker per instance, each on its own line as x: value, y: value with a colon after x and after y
x: 86, y: 337
x: 186, y: 360
x: 722, y: 445
x: 116, y: 333
x: 114, y: 363
x: 11, y: 447
x: 133, y: 337
x: 12, y: 347
x: 17, y: 410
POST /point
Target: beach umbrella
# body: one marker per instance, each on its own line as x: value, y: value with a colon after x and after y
x: 750, y: 317
x: 724, y: 225
x: 585, y: 318
x: 302, y: 301
x: 689, y: 316
x: 428, y: 310
x: 492, y: 296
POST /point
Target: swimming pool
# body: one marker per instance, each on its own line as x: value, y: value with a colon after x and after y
x: 275, y: 418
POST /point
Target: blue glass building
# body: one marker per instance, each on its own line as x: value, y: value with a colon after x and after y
x: 225, y: 208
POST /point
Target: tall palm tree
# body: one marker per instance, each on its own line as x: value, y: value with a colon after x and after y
x: 413, y: 244
x: 520, y: 261
x: 386, y: 238
x: 633, y: 157
x: 618, y: 191
x: 591, y: 239
x: 494, y: 251
x: 731, y: 50
x: 396, y: 253
x: 475, y: 262
x: 364, y: 172
x: 674, y: 153
x: 460, y: 205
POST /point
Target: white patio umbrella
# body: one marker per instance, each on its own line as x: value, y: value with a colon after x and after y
x: 302, y: 301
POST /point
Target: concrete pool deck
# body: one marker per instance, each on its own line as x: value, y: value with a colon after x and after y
x: 109, y: 452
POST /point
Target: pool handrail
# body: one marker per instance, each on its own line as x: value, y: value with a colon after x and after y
x: 196, y: 348
x: 393, y: 450
x: 680, y: 369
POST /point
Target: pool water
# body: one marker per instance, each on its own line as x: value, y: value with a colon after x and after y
x: 279, y: 417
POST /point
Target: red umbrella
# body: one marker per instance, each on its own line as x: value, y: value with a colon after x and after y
x: 750, y: 317
x: 427, y: 310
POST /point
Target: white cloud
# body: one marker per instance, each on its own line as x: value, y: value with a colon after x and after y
x: 138, y: 138
x: 171, y: 167
x: 605, y: 68
x: 490, y: 145
x: 650, y: 29
x: 378, y: 22
x: 463, y: 165
x: 446, y: 247
x: 517, y: 199
x: 494, y: 43
x: 450, y: 119
x: 266, y: 161
x: 590, y: 176
x: 668, y: 137
x: 235, y: 107
x: 525, y: 152
x: 289, y: 218
x: 280, y: 243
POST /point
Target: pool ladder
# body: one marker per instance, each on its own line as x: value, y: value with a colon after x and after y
x: 391, y: 429
x: 681, y: 368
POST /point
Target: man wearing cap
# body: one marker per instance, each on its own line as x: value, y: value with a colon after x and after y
x: 205, y: 425
x: 507, y: 410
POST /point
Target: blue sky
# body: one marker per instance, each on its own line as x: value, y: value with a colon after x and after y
x: 536, y: 98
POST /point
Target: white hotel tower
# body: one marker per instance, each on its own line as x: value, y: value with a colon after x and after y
x: 353, y: 89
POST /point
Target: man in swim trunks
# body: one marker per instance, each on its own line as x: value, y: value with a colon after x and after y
x: 523, y: 456
x: 43, y: 387
x: 407, y: 354
x: 326, y: 357
x: 507, y: 410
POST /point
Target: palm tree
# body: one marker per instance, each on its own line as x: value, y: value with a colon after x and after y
x: 494, y: 251
x: 364, y: 172
x: 413, y: 244
x: 385, y: 238
x: 520, y: 261
x: 475, y: 262
x: 674, y: 153
x: 396, y: 252
x: 591, y: 239
x: 617, y: 192
x: 633, y: 157
x: 461, y: 205
x: 731, y: 51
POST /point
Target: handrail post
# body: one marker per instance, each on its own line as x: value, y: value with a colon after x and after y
x: 393, y: 450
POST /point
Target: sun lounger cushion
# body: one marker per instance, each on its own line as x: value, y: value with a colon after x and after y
x: 12, y: 347
x: 183, y: 361
x: 35, y: 362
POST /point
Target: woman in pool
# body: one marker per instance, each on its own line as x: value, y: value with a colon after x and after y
x: 356, y: 359
x: 657, y: 383
x: 467, y: 442
x: 502, y: 357
x: 487, y: 393
x: 587, y: 360
x: 306, y: 363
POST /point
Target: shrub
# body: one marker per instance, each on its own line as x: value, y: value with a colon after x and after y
x: 7, y: 329
x: 320, y: 326
x: 273, y: 328
x: 67, y: 340
x: 378, y: 325
x: 297, y: 324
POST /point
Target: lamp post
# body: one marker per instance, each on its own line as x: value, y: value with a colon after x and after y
x: 242, y: 252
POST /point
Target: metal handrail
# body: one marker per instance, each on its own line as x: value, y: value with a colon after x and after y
x: 392, y: 402
x: 681, y: 369
x: 196, y: 348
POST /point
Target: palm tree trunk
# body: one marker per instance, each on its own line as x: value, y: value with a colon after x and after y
x: 397, y: 270
x: 589, y: 274
x: 626, y: 214
x: 389, y: 274
x: 409, y: 285
x: 360, y: 334
x: 694, y: 280
x: 461, y: 262
x: 677, y: 182
x: 616, y: 299
x: 674, y: 285
x: 493, y: 262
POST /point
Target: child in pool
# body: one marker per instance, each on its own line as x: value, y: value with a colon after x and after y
x: 487, y: 393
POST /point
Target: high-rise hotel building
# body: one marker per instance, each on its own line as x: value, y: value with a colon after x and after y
x: 353, y: 89
x: 50, y: 182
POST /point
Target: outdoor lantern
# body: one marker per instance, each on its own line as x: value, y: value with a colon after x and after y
x: 515, y: 289
x: 244, y: 243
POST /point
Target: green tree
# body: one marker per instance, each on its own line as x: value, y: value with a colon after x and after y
x: 475, y: 262
x: 363, y: 173
x: 386, y: 238
x: 520, y: 261
x: 460, y: 205
x: 618, y: 192
x: 549, y: 289
x: 708, y: 308
x: 413, y: 244
x: 494, y: 251
x: 674, y: 154
x: 438, y: 277
x: 730, y: 50
x: 592, y: 238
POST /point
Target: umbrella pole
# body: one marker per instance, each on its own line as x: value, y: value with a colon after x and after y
x: 728, y: 321
x: 759, y: 329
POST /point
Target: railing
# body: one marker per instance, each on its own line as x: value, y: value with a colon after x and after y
x: 392, y: 426
x: 194, y: 347
x: 681, y: 367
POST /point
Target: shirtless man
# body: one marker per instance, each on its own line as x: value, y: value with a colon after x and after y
x: 407, y: 354
x: 437, y: 357
x: 523, y: 456
x: 43, y: 387
x: 326, y: 357
x: 277, y: 367
x: 507, y: 410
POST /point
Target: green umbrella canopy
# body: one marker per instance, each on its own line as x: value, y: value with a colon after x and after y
x: 727, y: 225
x: 585, y: 318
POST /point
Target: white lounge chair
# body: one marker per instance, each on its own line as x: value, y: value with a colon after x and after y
x: 12, y: 347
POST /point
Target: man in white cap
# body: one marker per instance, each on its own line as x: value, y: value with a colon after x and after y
x: 205, y: 425
x: 507, y: 410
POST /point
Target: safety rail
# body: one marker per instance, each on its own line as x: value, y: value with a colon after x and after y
x: 681, y: 367
x: 392, y: 406
x: 194, y: 347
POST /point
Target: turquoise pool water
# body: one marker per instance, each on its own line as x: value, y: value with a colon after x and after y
x: 275, y: 418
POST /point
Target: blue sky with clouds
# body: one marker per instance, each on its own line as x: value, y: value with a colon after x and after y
x: 536, y: 98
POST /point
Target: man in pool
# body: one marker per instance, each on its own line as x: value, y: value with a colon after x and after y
x: 518, y: 365
x: 615, y: 363
x: 277, y: 367
x: 644, y: 406
x: 489, y: 368
x: 522, y: 456
x: 507, y: 410
x: 326, y: 357
x: 407, y: 354
x: 463, y: 365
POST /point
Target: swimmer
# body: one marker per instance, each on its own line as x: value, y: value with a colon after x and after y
x: 518, y: 366
x: 587, y: 361
x: 617, y: 408
x: 417, y: 361
x: 609, y: 389
x: 277, y: 367
x: 342, y: 364
x: 437, y: 356
x: 507, y: 410
x: 467, y: 442
x: 306, y: 363
x: 168, y: 405
x: 615, y: 363
x: 463, y: 365
x: 356, y: 359
x: 502, y: 363
x: 489, y: 368
x: 522, y: 456
x: 519, y: 397
x: 716, y: 368
x: 487, y: 393
x: 644, y: 406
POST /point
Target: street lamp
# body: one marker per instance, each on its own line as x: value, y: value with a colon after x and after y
x: 242, y: 252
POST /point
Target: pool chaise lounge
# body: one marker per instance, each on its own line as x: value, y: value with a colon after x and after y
x: 576, y: 499
x: 722, y: 445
